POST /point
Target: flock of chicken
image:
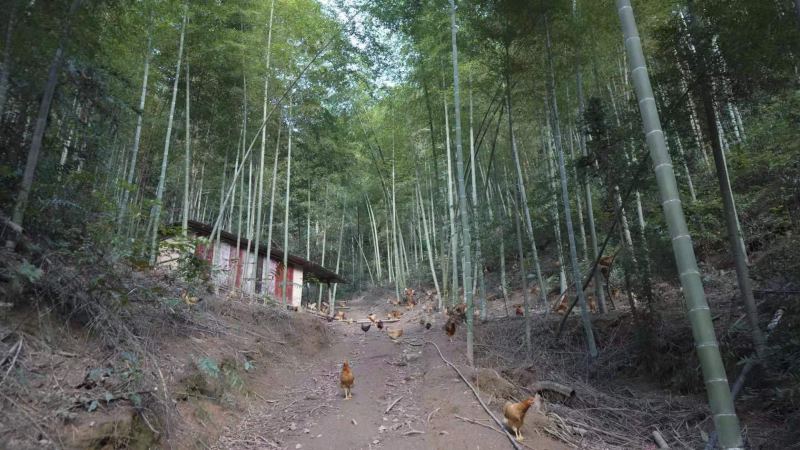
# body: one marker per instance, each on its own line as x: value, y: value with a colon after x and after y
x: 514, y: 413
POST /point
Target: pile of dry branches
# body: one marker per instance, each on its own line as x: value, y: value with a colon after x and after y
x: 606, y: 411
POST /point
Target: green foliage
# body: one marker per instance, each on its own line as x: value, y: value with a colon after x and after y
x: 208, y: 366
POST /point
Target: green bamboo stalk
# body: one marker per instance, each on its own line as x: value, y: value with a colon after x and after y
x: 718, y: 391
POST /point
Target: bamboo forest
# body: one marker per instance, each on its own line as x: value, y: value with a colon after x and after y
x: 399, y: 224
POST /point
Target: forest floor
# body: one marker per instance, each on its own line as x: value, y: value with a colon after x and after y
x: 156, y: 370
x: 404, y: 396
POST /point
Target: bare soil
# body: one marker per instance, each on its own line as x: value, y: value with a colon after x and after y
x: 307, y: 409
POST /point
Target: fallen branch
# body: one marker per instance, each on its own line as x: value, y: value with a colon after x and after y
x: 7, y: 222
x: 566, y: 391
x: 13, y: 361
x: 411, y: 432
x: 513, y: 441
x: 468, y: 420
x: 431, y: 414
x: 392, y: 404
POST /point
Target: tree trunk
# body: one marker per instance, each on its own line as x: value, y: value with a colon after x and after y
x: 462, y: 192
x: 308, y: 229
x: 550, y: 158
x: 290, y: 125
x: 162, y: 179
x: 272, y: 195
x: 259, y: 201
x: 573, y: 253
x: 5, y: 65
x: 475, y: 214
x: 338, y: 259
x: 428, y: 241
x: 682, y: 155
x: 732, y: 225
x: 521, y: 190
x: 523, y: 272
x: 452, y: 211
x: 188, y: 160
x: 720, y: 400
x: 41, y: 122
x: 137, y: 135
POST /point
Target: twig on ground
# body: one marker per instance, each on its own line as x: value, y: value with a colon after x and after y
x: 411, y: 432
x: 486, y: 408
x: 553, y: 386
x: 13, y: 361
x: 431, y: 414
x: 389, y: 408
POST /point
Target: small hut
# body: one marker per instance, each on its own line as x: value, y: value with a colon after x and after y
x: 253, y: 272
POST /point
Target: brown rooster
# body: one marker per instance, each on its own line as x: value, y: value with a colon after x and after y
x: 380, y: 324
x: 515, y: 413
x: 346, y: 380
x: 450, y: 328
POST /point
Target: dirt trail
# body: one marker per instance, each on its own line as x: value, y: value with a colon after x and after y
x: 308, y: 410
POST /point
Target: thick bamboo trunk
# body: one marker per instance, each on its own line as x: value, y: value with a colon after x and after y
x: 716, y: 381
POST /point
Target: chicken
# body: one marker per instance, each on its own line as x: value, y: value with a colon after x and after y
x: 426, y: 321
x: 450, y: 328
x: 346, y: 380
x: 372, y: 318
x: 395, y: 314
x: 365, y: 327
x: 409, y: 293
x: 379, y: 324
x: 340, y: 315
x: 591, y: 300
x: 563, y: 304
x: 514, y: 413
x: 395, y: 333
x: 519, y: 311
x: 458, y: 312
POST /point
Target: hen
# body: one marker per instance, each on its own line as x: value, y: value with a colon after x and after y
x: 380, y: 324
x: 515, y: 413
x: 450, y: 328
x: 519, y: 311
x: 346, y: 380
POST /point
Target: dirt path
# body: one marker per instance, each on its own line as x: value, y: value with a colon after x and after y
x: 308, y: 410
